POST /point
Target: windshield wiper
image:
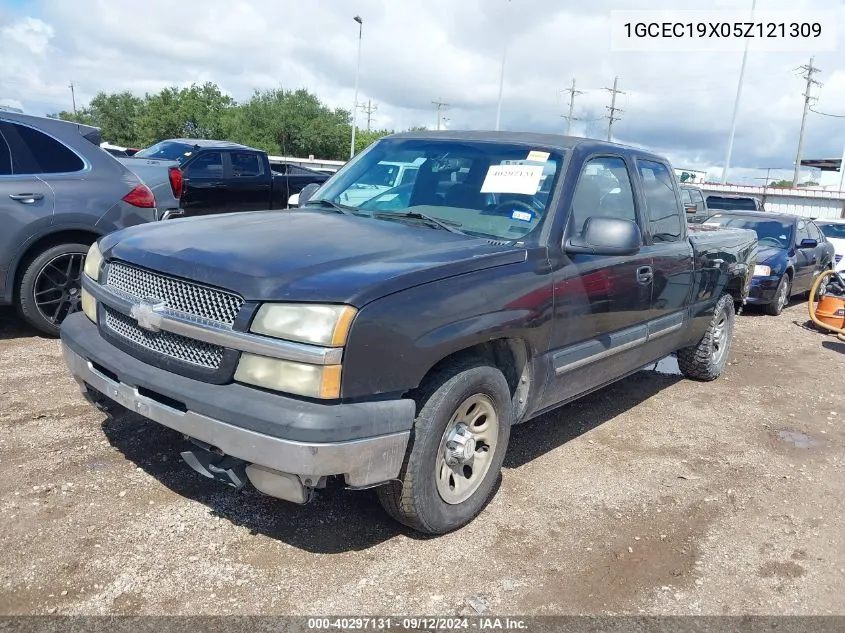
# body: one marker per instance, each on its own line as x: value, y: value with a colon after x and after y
x: 340, y: 208
x: 447, y: 225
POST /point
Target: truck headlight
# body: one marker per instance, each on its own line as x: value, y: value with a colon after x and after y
x: 89, y: 305
x: 762, y: 271
x: 92, y: 262
x: 305, y: 322
x: 313, y: 381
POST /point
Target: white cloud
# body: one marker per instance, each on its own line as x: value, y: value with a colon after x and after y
x: 417, y: 51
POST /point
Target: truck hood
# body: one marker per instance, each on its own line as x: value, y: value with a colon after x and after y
x: 305, y: 255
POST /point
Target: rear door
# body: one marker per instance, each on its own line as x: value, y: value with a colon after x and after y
x: 250, y: 183
x: 205, y: 186
x: 26, y: 201
x: 824, y: 250
x: 671, y: 258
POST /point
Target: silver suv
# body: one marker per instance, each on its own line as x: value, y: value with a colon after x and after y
x: 59, y: 192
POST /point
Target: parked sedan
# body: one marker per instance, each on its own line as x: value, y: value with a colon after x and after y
x: 834, y: 232
x: 792, y: 251
x: 59, y: 192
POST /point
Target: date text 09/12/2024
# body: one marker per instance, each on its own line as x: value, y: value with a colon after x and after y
x: 419, y: 624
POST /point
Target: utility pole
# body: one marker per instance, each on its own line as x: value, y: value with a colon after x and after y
x: 440, y: 105
x: 572, y: 94
x: 809, y: 71
x: 72, y: 96
x: 612, y: 107
x: 369, y: 109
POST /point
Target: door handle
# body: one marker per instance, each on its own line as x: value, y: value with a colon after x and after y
x: 644, y: 275
x: 26, y: 198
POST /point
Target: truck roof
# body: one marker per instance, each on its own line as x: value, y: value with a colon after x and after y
x: 529, y: 139
x: 202, y: 142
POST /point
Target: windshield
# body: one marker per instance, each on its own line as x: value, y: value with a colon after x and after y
x: 770, y: 232
x: 166, y: 150
x: 835, y: 230
x: 495, y: 190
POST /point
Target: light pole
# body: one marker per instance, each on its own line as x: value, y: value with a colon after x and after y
x: 360, y: 22
x: 501, y: 84
x: 736, y: 103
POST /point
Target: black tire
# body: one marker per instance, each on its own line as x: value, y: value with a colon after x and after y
x: 414, y: 500
x: 781, y: 300
x: 706, y: 361
x: 32, y: 297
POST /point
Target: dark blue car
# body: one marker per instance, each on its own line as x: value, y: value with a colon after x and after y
x: 792, y: 251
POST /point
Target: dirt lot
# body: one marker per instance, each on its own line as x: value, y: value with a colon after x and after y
x: 657, y: 495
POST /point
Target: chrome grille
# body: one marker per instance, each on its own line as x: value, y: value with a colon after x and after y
x: 175, y: 346
x: 183, y: 296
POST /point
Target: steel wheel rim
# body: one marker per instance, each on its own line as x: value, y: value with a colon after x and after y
x: 783, y: 295
x: 474, y: 423
x: 57, y: 291
x: 720, y: 339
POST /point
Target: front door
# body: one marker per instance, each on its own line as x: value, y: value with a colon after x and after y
x: 249, y: 186
x: 806, y: 260
x: 205, y: 185
x: 601, y: 302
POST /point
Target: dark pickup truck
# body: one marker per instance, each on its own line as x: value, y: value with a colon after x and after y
x: 219, y: 176
x: 397, y: 347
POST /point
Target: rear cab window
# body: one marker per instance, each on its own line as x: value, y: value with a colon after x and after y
x: 664, y: 221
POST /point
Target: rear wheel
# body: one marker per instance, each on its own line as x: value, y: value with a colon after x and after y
x: 782, y: 295
x: 706, y: 361
x: 456, y: 449
x: 51, y: 287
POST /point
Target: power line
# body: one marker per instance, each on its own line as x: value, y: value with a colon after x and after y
x: 809, y: 71
x: 612, y: 107
x: 837, y: 116
x: 572, y: 94
x: 440, y: 105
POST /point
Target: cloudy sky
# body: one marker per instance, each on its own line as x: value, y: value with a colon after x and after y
x: 417, y: 51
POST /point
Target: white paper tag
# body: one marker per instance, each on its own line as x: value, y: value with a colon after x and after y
x: 524, y: 179
x: 537, y: 156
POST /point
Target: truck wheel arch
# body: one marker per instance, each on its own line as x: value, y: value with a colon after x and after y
x: 511, y: 355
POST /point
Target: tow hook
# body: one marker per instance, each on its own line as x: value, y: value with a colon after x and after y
x: 214, y: 464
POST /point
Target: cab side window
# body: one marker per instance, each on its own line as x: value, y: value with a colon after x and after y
x: 603, y: 189
x: 815, y: 232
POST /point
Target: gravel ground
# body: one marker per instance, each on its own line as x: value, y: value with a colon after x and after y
x: 657, y: 495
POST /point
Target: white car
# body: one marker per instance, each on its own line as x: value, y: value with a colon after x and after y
x: 834, y: 231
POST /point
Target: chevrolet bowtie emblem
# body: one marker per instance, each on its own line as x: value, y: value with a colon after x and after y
x: 148, y: 314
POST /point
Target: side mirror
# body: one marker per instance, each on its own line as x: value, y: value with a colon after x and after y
x: 307, y: 193
x: 808, y: 243
x: 606, y: 236
x: 690, y: 208
x: 293, y: 201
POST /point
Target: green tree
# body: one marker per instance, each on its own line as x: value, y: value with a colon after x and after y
x: 193, y: 112
x: 293, y: 123
x: 781, y: 183
x: 363, y: 138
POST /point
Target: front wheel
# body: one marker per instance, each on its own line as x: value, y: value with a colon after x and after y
x: 782, y: 295
x: 706, y: 360
x: 456, y: 449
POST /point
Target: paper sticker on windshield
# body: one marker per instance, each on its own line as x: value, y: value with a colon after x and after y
x: 523, y: 179
x: 535, y: 156
x: 523, y: 216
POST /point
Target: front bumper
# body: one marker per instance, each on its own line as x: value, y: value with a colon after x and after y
x: 763, y: 289
x: 365, y: 441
